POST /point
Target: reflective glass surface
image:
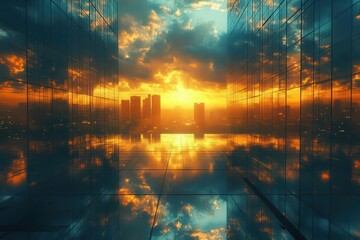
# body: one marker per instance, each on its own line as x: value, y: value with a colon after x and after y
x: 171, y: 186
x: 293, y: 90
x: 289, y: 167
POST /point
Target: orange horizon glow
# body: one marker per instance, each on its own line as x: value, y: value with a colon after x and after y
x: 176, y: 88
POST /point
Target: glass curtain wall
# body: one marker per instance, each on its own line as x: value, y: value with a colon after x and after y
x: 293, y: 96
x: 58, y: 72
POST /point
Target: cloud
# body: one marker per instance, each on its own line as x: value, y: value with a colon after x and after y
x: 185, y: 218
x: 57, y: 34
x: 159, y: 45
x: 218, y: 5
x: 163, y: 40
x: 138, y: 9
x: 214, y: 5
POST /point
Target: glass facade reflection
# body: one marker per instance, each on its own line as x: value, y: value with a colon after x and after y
x: 58, y: 66
x: 294, y: 108
x: 289, y: 169
x: 175, y: 186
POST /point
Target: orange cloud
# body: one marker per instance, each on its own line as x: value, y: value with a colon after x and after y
x: 16, y: 64
x: 146, y: 33
x: 214, y: 5
x: 210, y: 235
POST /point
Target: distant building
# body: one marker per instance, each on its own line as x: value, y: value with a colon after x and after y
x: 156, y: 110
x: 125, y: 112
x: 135, y: 110
x: 199, y: 116
x: 147, y: 108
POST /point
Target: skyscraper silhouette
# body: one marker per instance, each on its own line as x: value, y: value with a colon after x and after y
x: 147, y: 108
x: 156, y: 110
x: 125, y: 112
x: 135, y: 110
x: 199, y: 116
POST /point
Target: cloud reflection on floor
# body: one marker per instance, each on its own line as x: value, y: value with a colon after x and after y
x: 169, y: 186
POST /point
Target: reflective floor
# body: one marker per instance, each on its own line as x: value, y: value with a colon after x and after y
x: 133, y: 187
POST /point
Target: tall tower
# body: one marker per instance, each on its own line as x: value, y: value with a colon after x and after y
x: 147, y: 108
x: 199, y: 116
x: 135, y: 110
x: 156, y: 110
x: 125, y: 112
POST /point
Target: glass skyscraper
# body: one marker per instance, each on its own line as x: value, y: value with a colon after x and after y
x: 58, y: 66
x: 294, y: 74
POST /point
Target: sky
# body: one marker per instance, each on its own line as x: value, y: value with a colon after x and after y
x: 173, y: 48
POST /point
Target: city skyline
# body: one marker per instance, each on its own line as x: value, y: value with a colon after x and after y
x: 145, y: 116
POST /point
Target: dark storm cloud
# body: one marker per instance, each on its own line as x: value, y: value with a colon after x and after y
x: 133, y: 70
x: 12, y: 39
x: 193, y: 45
x: 51, y: 30
x: 178, y: 40
x: 138, y: 9
x: 134, y: 14
x: 197, y: 44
